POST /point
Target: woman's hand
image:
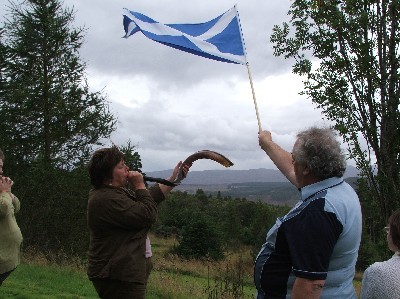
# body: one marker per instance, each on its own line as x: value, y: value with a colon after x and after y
x: 185, y: 170
x: 5, y: 184
x: 136, y: 180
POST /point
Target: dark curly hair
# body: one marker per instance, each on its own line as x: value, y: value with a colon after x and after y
x: 102, y: 163
x: 320, y: 151
x: 394, y: 226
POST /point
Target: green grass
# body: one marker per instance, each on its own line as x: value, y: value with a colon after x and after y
x: 171, y: 278
x: 31, y: 281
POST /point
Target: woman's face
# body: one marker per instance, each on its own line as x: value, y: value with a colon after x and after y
x: 119, y: 175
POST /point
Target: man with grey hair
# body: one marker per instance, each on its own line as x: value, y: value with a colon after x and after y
x: 311, y: 252
x: 10, y: 234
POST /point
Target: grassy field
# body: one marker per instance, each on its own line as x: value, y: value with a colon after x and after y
x: 172, y: 278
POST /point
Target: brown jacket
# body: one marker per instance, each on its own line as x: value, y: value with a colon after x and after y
x: 118, y: 222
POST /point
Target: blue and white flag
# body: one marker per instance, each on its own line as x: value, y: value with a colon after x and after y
x: 219, y: 39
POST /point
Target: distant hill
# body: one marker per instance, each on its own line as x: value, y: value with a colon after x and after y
x: 267, y: 185
x: 227, y: 176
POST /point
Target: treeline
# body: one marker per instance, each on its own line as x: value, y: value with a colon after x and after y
x: 53, y: 209
x: 53, y: 219
x: 207, y: 225
x: 53, y: 216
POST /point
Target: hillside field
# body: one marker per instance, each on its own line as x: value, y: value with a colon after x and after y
x: 172, y: 277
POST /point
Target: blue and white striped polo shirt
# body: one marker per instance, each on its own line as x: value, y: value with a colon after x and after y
x: 318, y: 239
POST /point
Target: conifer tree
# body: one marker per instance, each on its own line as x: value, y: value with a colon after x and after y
x: 48, y: 112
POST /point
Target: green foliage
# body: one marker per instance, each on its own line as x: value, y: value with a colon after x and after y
x: 348, y: 53
x: 132, y: 157
x: 53, y: 208
x: 199, y: 239
x: 230, y: 221
x: 176, y: 211
x: 50, y: 123
x: 47, y: 110
x: 2, y: 66
x: 373, y: 246
x: 372, y: 251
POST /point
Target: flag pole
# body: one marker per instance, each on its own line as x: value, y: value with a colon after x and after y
x: 249, y: 73
x: 254, y: 98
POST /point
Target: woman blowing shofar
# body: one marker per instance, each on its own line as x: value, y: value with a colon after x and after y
x: 119, y: 219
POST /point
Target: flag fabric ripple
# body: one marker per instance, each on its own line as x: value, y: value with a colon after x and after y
x: 219, y: 39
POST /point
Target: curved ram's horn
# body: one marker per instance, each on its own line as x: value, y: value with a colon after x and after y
x: 204, y: 154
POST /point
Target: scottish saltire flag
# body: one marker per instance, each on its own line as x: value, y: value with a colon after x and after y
x: 219, y: 39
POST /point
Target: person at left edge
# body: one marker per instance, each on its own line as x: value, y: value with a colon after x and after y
x: 10, y: 234
x: 119, y: 220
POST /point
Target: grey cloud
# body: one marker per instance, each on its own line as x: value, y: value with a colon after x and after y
x: 180, y: 103
x: 105, y: 50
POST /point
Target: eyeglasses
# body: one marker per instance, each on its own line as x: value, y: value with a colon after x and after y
x: 386, y: 229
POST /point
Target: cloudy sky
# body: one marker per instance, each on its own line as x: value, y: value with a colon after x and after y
x: 171, y: 104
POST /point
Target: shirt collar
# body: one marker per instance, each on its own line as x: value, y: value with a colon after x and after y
x: 310, y: 190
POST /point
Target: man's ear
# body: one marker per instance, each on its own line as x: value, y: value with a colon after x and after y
x: 306, y: 170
